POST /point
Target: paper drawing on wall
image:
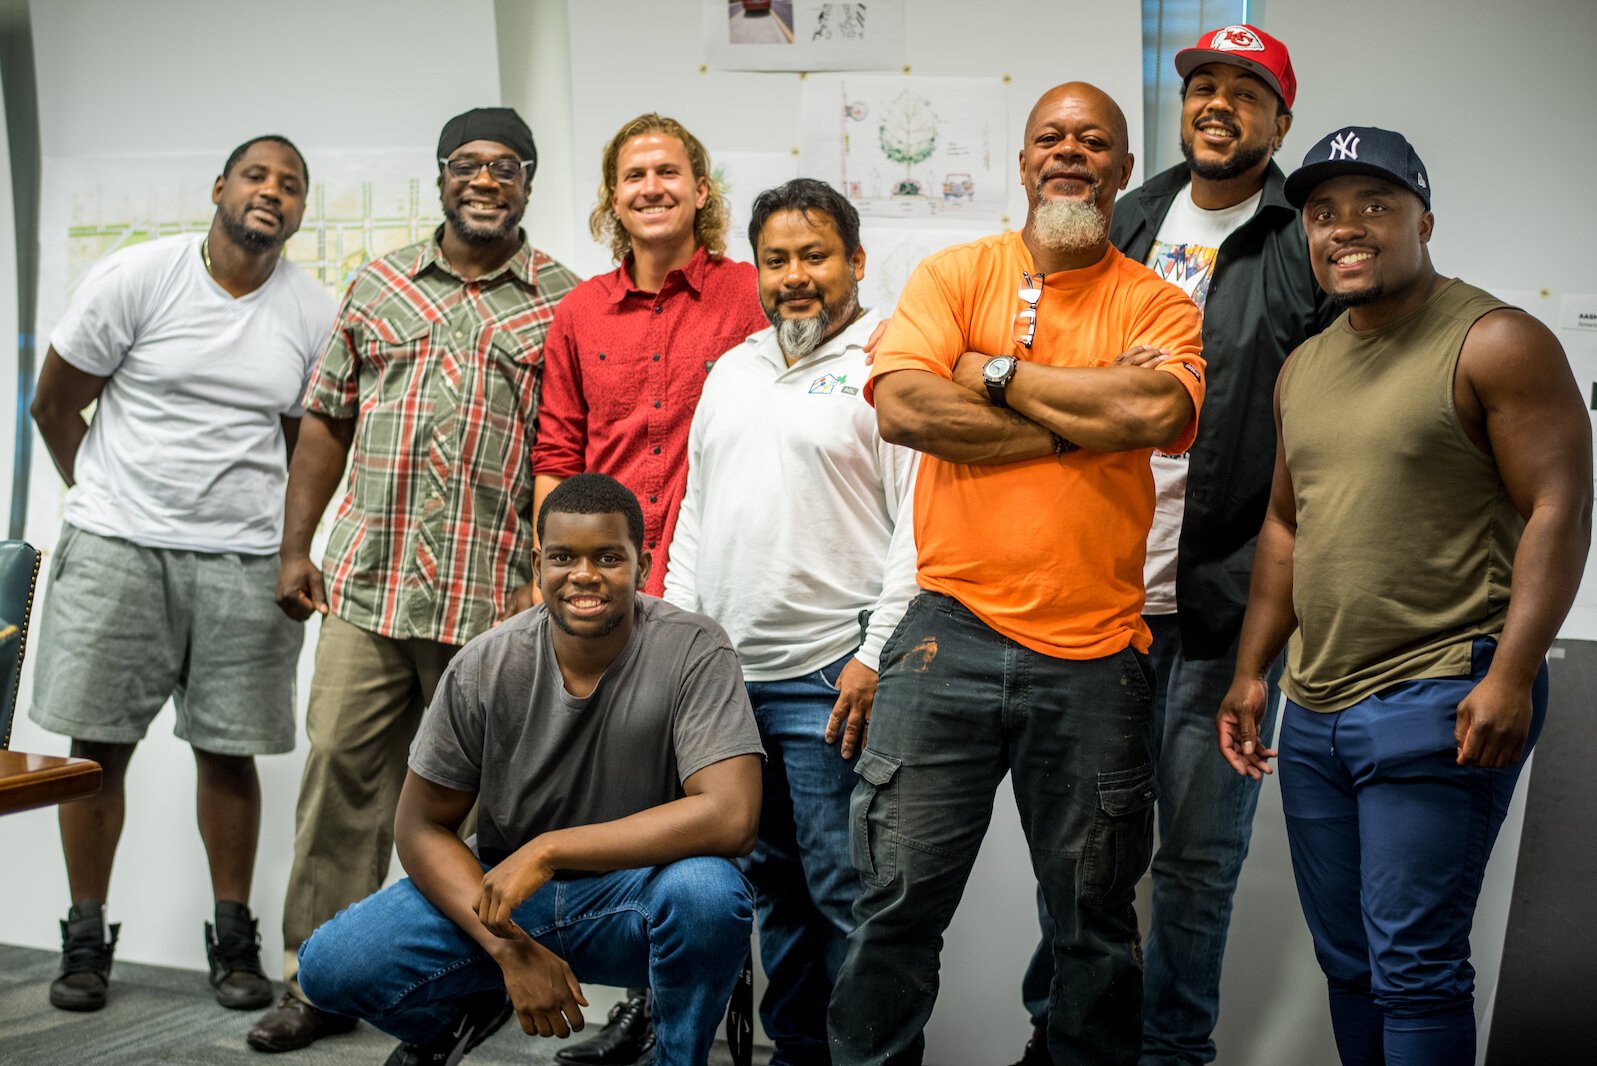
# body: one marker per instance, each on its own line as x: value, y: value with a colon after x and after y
x: 759, y: 22
x: 908, y: 134
x: 893, y: 251
x: 803, y: 35
x: 840, y: 22
x: 908, y: 147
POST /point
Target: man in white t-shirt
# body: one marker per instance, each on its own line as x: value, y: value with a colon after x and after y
x: 1218, y: 226
x: 196, y: 350
x: 795, y: 535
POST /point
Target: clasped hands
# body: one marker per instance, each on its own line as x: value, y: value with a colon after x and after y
x: 544, y: 992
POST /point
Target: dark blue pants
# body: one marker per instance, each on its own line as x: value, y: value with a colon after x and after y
x: 958, y: 707
x: 804, y: 883
x: 1389, y: 839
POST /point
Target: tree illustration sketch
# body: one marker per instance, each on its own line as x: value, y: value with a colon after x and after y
x: 908, y: 135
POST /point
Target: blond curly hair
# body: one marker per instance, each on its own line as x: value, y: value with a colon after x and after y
x: 711, y: 222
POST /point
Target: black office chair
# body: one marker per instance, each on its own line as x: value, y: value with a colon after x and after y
x: 19, y: 575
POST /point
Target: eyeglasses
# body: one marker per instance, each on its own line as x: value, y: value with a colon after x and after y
x: 1025, y: 329
x: 503, y: 171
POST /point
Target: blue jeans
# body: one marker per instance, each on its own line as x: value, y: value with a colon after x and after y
x: 398, y: 962
x: 1389, y: 839
x: 804, y: 883
x: 958, y: 707
x: 1205, y: 817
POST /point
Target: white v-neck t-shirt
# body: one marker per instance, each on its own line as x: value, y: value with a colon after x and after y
x: 185, y: 449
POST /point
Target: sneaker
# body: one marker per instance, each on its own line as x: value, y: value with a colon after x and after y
x: 480, y: 1017
x: 233, y: 948
x: 1036, y: 1053
x: 294, y: 1024
x: 626, y: 1039
x: 85, y: 958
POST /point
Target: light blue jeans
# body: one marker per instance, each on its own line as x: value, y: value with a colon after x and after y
x: 398, y: 962
x: 1205, y: 818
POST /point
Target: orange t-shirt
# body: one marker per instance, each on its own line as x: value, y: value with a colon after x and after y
x: 1048, y: 551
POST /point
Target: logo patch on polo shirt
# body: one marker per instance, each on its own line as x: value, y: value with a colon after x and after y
x: 1189, y: 368
x: 827, y: 384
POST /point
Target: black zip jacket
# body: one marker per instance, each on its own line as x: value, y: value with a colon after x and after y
x: 1262, y: 303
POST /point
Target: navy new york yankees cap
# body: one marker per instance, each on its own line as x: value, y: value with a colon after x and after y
x: 1360, y: 150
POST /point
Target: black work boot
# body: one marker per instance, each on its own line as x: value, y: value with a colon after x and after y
x: 233, y: 948
x: 626, y: 1039
x: 85, y: 958
x: 1036, y: 1051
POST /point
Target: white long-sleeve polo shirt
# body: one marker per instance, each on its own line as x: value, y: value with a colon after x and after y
x: 798, y: 516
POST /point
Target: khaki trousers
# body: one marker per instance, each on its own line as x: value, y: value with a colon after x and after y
x: 367, y: 698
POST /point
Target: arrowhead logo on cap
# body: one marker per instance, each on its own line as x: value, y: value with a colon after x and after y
x: 1236, y: 39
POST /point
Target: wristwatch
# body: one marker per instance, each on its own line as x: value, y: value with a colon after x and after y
x: 996, y: 374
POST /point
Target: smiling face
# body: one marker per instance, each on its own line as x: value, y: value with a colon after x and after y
x: 481, y: 210
x: 589, y: 571
x: 809, y: 286
x: 1075, y: 149
x: 656, y: 195
x: 1367, y: 239
x: 1231, y: 122
x: 261, y: 200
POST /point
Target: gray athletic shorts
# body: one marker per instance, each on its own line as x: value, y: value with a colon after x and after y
x: 124, y: 627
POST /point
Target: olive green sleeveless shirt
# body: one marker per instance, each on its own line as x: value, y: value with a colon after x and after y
x: 1406, y: 534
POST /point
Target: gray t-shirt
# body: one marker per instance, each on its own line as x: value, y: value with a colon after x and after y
x: 502, y: 725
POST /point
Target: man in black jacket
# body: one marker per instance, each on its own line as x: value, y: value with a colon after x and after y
x: 1218, y: 226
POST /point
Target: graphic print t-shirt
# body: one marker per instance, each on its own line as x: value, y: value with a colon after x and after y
x: 1183, y: 254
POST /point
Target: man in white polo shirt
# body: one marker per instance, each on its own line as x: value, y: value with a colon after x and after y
x: 795, y: 536
x: 197, y: 349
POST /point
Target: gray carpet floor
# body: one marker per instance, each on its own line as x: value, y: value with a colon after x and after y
x: 161, y: 1015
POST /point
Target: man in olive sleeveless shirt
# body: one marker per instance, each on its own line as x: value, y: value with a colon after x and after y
x: 1428, y: 525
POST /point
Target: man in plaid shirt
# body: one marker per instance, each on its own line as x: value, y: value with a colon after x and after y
x: 431, y: 379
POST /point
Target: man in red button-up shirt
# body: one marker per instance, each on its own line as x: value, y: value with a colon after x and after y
x: 628, y: 351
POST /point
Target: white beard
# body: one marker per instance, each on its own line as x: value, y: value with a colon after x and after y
x: 800, y: 336
x: 1068, y: 225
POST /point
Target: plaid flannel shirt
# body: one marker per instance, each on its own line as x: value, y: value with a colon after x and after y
x: 442, y: 377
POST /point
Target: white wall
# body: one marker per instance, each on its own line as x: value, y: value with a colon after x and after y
x: 1492, y: 94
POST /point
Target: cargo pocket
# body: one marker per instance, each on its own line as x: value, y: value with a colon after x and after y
x: 873, y: 818
x: 1120, y: 843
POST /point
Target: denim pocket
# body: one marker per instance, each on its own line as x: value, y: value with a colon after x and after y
x: 1120, y: 842
x: 873, y: 818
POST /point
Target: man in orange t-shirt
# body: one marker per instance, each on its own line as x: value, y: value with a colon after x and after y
x: 1027, y: 651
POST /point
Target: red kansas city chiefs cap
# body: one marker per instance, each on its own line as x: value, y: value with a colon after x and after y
x: 1243, y: 46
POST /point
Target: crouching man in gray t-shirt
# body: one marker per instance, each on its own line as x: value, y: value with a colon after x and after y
x: 607, y: 740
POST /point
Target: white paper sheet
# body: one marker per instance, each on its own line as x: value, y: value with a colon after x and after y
x: 804, y: 34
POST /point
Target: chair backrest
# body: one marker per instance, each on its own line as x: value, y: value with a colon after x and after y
x: 19, y: 572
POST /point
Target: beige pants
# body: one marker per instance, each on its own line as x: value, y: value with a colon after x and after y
x: 367, y: 698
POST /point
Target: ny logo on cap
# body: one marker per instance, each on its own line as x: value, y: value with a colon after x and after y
x: 1344, y: 146
x: 1236, y: 39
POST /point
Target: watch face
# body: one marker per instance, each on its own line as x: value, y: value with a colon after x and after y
x: 997, y: 368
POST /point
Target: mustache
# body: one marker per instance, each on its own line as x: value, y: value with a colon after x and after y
x: 808, y: 294
x: 1226, y: 121
x: 263, y: 205
x: 1067, y: 172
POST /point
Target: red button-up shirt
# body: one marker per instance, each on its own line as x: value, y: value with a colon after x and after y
x: 623, y: 370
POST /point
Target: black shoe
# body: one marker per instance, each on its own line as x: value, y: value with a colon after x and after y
x: 1036, y: 1053
x: 480, y: 1017
x: 85, y: 958
x: 294, y: 1024
x: 626, y: 1039
x: 233, y: 948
